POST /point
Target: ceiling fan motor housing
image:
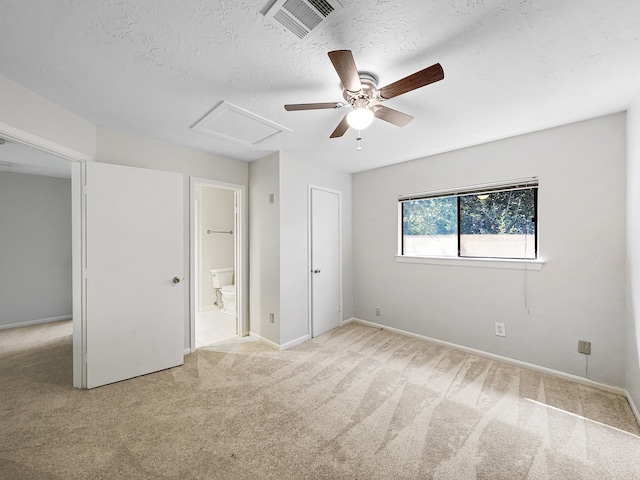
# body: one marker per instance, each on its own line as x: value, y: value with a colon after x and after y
x: 369, y: 84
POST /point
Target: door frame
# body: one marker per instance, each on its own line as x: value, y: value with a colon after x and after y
x: 241, y: 249
x: 77, y: 160
x: 311, y: 187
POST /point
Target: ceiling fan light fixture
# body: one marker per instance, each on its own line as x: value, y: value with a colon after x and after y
x: 360, y: 118
x: 360, y: 90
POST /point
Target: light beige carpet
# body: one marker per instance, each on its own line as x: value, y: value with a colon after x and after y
x: 355, y: 403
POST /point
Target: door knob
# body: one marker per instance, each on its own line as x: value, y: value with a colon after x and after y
x: 176, y: 280
x: 317, y: 270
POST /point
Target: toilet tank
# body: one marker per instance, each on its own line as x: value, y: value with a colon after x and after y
x: 221, y: 277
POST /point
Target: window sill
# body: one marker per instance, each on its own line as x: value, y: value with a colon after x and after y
x: 500, y: 263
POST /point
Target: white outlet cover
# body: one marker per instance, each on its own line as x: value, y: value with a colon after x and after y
x: 500, y: 330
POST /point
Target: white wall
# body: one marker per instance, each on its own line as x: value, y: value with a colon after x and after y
x: 217, y: 212
x: 126, y: 149
x: 24, y: 110
x: 633, y: 251
x: 279, y: 243
x: 35, y: 248
x: 296, y: 173
x: 580, y: 292
x: 264, y: 241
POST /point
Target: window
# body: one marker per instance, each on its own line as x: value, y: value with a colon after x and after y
x: 497, y: 221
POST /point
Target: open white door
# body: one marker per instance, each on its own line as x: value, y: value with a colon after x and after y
x: 325, y: 260
x: 133, y: 291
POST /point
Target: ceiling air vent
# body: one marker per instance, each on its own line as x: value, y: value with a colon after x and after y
x: 300, y: 17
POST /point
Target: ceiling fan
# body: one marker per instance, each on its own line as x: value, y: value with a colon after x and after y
x: 360, y: 90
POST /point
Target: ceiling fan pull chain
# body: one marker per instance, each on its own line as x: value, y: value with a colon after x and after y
x: 359, y: 147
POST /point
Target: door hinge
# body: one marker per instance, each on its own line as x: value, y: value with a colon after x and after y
x: 84, y: 189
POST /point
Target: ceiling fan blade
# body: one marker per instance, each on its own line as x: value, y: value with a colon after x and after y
x: 342, y: 127
x: 392, y: 116
x: 312, y: 106
x: 345, y: 65
x: 419, y: 79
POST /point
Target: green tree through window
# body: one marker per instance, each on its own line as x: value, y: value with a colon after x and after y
x: 499, y: 223
x: 430, y: 216
x: 509, y: 212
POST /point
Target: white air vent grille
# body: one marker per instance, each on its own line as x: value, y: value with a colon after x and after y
x: 290, y: 24
x: 300, y: 17
x: 323, y: 7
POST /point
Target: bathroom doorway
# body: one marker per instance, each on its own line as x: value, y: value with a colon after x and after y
x: 216, y: 254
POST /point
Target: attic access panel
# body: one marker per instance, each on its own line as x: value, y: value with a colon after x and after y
x: 234, y: 124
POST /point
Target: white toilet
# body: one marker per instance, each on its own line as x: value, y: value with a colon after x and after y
x: 222, y: 278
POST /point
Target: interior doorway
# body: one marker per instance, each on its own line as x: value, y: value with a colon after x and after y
x: 35, y: 236
x: 216, y: 252
x: 63, y: 154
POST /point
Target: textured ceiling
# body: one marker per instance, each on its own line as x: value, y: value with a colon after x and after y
x: 154, y: 68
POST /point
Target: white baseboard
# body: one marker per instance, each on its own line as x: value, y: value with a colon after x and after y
x: 632, y: 404
x: 294, y: 342
x: 500, y: 358
x: 284, y: 346
x: 36, y: 322
x: 264, y: 340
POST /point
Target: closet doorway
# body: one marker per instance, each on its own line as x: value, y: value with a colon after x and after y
x: 217, y: 292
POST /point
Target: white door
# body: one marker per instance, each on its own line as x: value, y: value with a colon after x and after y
x: 325, y: 261
x: 134, y: 293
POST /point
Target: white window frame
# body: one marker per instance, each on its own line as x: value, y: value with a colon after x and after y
x: 478, y: 262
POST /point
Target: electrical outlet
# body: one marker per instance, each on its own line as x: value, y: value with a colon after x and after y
x: 584, y: 347
x: 500, y: 329
x: 272, y: 318
x: 378, y: 312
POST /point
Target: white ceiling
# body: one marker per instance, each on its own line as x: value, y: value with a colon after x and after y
x: 19, y: 158
x: 155, y: 68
